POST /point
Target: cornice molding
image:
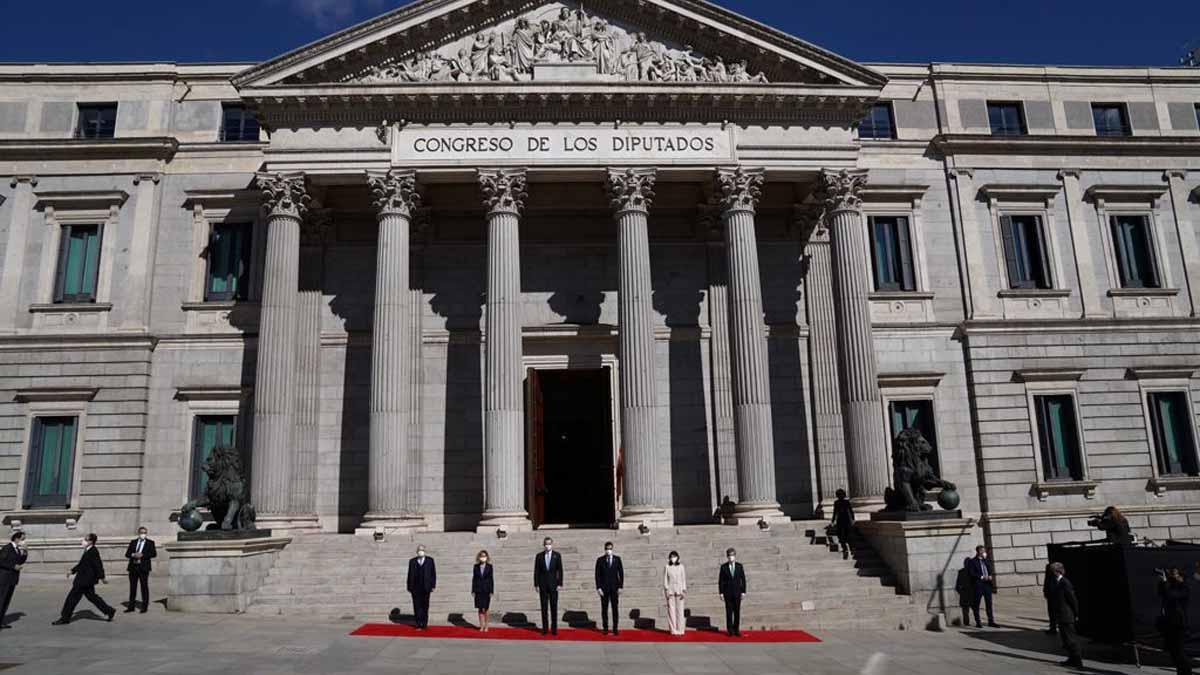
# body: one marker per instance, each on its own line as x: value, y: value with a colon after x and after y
x: 78, y: 149
x: 55, y: 394
x: 1162, y: 372
x: 986, y: 144
x: 1016, y: 192
x: 916, y: 379
x: 882, y: 193
x: 213, y: 393
x: 68, y: 200
x: 1125, y: 193
x: 1048, y: 374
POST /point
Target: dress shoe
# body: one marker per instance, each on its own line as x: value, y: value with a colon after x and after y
x: 1051, y: 631
x: 111, y: 613
x: 1072, y: 664
x: 60, y: 622
x: 4, y: 626
x: 130, y: 608
x: 143, y: 610
x: 616, y: 632
x: 993, y: 624
x: 554, y: 632
x: 543, y: 631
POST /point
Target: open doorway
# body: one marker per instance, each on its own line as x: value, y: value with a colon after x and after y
x: 570, y: 448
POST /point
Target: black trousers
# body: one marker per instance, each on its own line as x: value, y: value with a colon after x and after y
x: 1173, y: 644
x: 8, y: 584
x: 966, y: 612
x: 139, y: 577
x: 983, y: 592
x: 1052, y: 615
x: 1070, y: 641
x: 88, y: 592
x: 733, y: 614
x: 421, y: 609
x: 613, y: 599
x: 549, y: 599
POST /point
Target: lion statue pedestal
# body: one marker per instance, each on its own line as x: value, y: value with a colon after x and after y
x: 226, y: 497
x: 912, y: 476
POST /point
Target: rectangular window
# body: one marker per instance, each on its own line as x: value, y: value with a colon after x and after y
x: 1198, y: 115
x: 97, y: 120
x: 1111, y: 119
x: 1174, y: 443
x: 78, y: 264
x: 915, y: 415
x: 1025, y: 251
x: 1134, y: 251
x: 879, y: 124
x: 51, y: 465
x: 1058, y: 434
x: 892, y: 253
x: 211, y: 431
x: 228, y: 262
x: 238, y: 125
x: 1006, y: 119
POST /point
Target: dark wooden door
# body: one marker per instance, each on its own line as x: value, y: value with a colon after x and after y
x: 535, y: 479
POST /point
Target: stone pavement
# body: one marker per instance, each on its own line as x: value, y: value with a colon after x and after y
x: 168, y: 642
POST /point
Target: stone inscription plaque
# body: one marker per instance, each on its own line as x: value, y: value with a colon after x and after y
x: 561, y: 146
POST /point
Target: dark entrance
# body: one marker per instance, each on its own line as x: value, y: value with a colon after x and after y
x: 569, y: 431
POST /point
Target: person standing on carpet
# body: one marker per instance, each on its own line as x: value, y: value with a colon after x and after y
x: 675, y: 590
x: 12, y: 558
x: 88, y: 572
x: 731, y: 585
x: 422, y: 579
x: 1066, y: 612
x: 140, y: 553
x: 547, y: 579
x: 483, y: 585
x: 610, y: 579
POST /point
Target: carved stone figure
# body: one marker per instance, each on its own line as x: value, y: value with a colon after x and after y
x: 911, y: 473
x: 225, y: 494
x: 524, y: 46
x: 605, y: 48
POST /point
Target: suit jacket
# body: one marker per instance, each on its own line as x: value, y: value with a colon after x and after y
x: 1047, y: 582
x: 978, y: 569
x: 148, y: 554
x: 609, y: 578
x: 483, y: 579
x: 90, y: 569
x: 547, y: 580
x: 732, y: 584
x: 422, y: 577
x: 1063, y: 602
x: 10, y: 558
x: 1174, y: 606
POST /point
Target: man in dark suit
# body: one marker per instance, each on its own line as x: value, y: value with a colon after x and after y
x: 980, y: 569
x: 139, y: 553
x: 731, y: 584
x: 12, y: 557
x: 547, y: 579
x: 610, y: 579
x: 88, y: 573
x: 1066, y: 612
x: 1047, y: 586
x: 422, y: 579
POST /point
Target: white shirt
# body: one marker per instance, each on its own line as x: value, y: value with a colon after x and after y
x: 547, y: 558
x: 141, y: 543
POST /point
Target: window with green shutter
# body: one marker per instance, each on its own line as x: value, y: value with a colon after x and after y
x: 1025, y: 252
x: 916, y: 415
x: 78, y: 264
x: 228, y: 262
x: 1134, y: 251
x: 891, y: 249
x: 1058, y: 434
x: 1174, y: 442
x: 51, y: 465
x: 211, y: 431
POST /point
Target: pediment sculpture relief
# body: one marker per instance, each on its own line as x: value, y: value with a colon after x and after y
x: 511, y: 53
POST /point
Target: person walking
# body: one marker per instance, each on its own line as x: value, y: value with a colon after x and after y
x: 1172, y: 623
x: 1047, y: 586
x: 675, y: 590
x: 731, y: 585
x: 547, y: 579
x: 88, y: 572
x: 140, y: 553
x: 422, y: 579
x: 610, y: 579
x: 483, y: 585
x: 1066, y: 611
x: 843, y: 522
x: 981, y: 573
x: 12, y: 557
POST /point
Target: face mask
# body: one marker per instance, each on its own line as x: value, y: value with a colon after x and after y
x: 142, y: 536
x: 84, y: 542
x: 983, y: 555
x: 548, y: 548
x: 608, y: 551
x: 483, y: 559
x: 420, y: 554
x: 674, y: 560
x: 732, y: 558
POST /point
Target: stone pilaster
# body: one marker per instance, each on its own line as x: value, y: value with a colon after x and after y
x: 143, y: 246
x: 395, y: 195
x: 631, y: 192
x: 739, y: 191
x: 14, y: 253
x: 504, y: 423
x: 286, y: 201
x: 1188, y: 244
x: 866, y: 453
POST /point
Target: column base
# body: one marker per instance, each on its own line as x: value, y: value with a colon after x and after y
x: 515, y: 521
x: 632, y: 517
x: 390, y: 523
x: 744, y: 515
x: 289, y: 524
x: 867, y: 504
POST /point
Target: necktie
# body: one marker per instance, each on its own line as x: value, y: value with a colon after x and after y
x: 610, y: 561
x: 139, y: 546
x: 547, y: 556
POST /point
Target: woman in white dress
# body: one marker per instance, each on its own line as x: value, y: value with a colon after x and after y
x: 675, y: 589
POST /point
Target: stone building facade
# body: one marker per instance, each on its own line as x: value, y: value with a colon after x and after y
x: 510, y: 264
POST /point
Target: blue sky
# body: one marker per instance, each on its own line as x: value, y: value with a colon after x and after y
x: 1098, y: 32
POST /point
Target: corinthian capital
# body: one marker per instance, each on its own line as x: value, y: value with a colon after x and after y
x: 394, y: 192
x: 739, y: 189
x: 842, y: 190
x: 503, y: 190
x: 631, y: 189
x: 284, y: 194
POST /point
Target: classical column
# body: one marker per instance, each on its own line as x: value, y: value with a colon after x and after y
x: 630, y: 193
x: 739, y: 190
x: 395, y: 195
x: 866, y: 453
x: 286, y: 201
x: 504, y: 423
x: 314, y: 233
x: 14, y: 253
x: 722, y: 389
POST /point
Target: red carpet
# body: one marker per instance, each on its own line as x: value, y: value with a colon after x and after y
x: 396, y: 630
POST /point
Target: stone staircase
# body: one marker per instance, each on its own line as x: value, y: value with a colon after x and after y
x: 794, y: 579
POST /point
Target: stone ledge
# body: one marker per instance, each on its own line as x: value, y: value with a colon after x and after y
x: 65, y: 307
x: 219, y: 577
x: 1085, y: 487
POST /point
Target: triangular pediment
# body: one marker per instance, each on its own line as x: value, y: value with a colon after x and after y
x: 513, y: 41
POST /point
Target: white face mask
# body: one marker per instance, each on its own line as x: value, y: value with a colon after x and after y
x: 420, y: 554
x: 142, y: 536
x: 608, y: 551
x: 548, y: 548
x: 732, y: 558
x: 674, y: 560
x: 483, y: 560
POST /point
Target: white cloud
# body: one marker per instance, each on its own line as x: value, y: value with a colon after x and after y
x: 330, y: 14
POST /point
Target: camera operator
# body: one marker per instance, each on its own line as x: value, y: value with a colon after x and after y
x: 1172, y: 621
x: 1114, y: 524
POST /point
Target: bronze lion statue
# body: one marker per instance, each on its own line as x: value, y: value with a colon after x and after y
x: 911, y: 473
x: 225, y: 494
